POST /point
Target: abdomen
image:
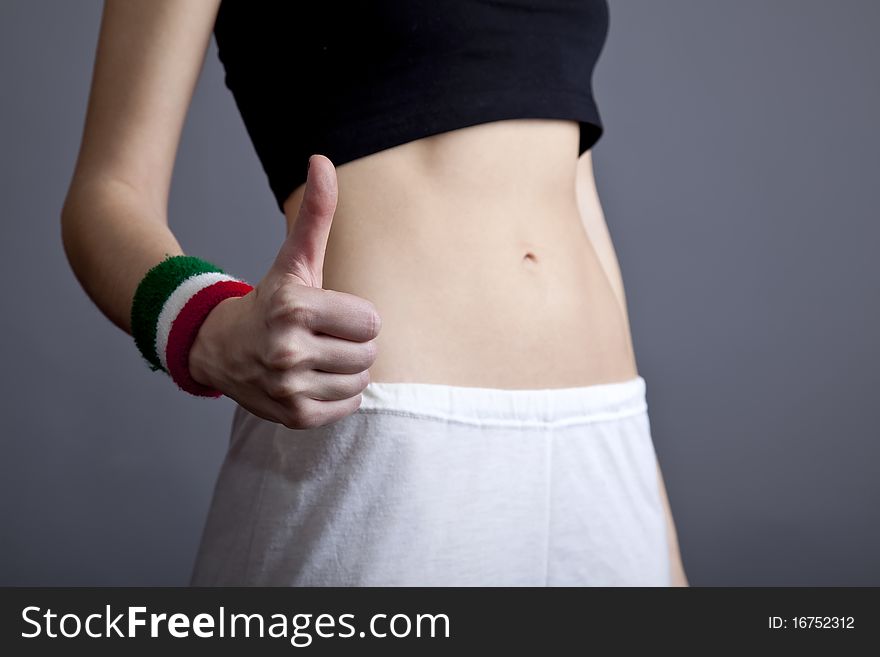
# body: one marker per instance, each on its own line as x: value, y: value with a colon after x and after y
x: 471, y: 245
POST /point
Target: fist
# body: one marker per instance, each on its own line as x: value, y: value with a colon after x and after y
x: 291, y: 351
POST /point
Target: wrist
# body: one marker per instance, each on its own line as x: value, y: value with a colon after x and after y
x: 186, y: 327
x: 204, y: 354
x: 170, y: 306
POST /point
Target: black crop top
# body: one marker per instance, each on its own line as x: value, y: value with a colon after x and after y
x: 350, y: 79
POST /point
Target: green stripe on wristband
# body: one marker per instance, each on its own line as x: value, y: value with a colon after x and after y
x: 155, y: 287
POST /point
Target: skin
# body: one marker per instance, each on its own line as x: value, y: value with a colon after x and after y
x: 495, y: 228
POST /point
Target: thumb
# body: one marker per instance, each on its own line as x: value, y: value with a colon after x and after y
x: 302, y: 253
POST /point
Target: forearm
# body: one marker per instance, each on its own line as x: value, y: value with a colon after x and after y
x: 112, y: 235
x: 593, y: 220
x: 679, y: 578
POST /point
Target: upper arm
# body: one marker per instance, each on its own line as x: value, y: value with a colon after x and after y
x: 584, y: 178
x: 592, y: 215
x: 148, y: 60
x: 596, y: 228
x: 588, y: 200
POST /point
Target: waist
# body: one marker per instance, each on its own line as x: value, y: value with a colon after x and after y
x: 489, y: 296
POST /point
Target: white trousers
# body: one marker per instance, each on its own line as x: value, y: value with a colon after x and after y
x: 438, y: 485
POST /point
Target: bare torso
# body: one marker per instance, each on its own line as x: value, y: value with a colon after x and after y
x: 489, y: 264
x: 472, y: 246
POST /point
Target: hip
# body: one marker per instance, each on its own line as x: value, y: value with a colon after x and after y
x: 433, y: 485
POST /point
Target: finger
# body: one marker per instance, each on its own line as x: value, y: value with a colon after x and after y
x: 302, y: 252
x: 325, y: 386
x: 312, y: 413
x: 341, y: 314
x: 339, y: 356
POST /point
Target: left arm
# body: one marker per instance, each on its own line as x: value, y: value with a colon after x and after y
x: 597, y: 230
x: 679, y: 578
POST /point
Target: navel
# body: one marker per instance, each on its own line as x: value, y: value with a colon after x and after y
x: 530, y: 257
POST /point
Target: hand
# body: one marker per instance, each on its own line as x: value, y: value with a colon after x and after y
x: 290, y: 351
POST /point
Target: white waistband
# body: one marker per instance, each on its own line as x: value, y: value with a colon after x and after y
x: 507, y: 406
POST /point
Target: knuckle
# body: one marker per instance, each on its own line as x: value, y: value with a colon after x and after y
x: 282, y: 293
x: 301, y: 416
x: 278, y: 392
x: 302, y: 314
x: 279, y: 308
x: 283, y: 390
x: 286, y: 305
x: 282, y: 355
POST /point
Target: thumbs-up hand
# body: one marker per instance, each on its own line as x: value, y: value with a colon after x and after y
x: 290, y: 351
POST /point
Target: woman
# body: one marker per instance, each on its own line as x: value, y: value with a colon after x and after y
x: 494, y: 430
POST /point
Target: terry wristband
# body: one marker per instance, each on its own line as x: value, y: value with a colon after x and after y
x: 169, y: 306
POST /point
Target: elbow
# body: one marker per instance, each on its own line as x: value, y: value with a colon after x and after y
x: 97, y: 205
x: 67, y: 226
x: 71, y: 224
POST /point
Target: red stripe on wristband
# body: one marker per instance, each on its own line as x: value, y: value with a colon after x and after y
x: 186, y: 326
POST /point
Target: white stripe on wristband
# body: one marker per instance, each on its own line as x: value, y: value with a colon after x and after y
x: 175, y: 303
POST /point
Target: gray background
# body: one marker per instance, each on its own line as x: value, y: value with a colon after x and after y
x: 738, y: 174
